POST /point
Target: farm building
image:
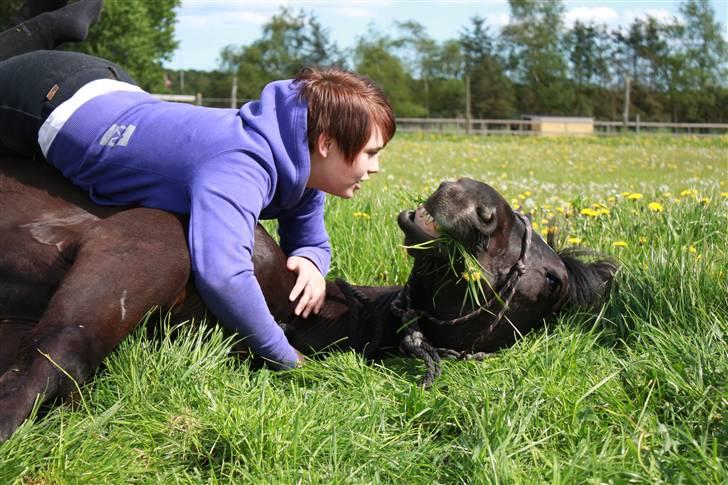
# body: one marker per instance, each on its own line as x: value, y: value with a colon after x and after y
x: 560, y: 125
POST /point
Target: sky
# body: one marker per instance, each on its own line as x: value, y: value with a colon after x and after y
x: 204, y: 27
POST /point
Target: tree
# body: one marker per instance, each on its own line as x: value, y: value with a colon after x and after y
x: 136, y: 34
x: 704, y: 63
x: 373, y: 58
x: 532, y: 40
x: 290, y: 41
x: 491, y: 91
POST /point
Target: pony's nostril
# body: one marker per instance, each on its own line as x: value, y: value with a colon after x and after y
x: 485, y: 214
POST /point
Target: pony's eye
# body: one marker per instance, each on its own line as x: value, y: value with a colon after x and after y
x: 552, y: 282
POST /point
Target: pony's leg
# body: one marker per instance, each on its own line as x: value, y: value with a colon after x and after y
x: 125, y: 265
x: 50, y: 29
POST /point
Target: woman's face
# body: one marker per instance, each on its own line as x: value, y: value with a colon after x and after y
x: 331, y: 173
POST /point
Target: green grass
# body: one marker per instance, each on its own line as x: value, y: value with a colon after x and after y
x: 633, y: 393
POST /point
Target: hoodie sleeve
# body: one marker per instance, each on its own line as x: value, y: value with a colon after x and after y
x: 226, y: 203
x: 303, y: 232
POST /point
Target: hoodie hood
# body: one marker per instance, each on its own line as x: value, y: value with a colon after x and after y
x: 280, y: 118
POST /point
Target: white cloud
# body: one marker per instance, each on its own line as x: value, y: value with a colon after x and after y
x: 497, y: 20
x: 597, y: 15
x: 662, y: 15
x: 197, y: 17
x: 357, y: 13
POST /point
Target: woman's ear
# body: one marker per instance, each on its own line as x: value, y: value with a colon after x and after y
x: 323, y: 144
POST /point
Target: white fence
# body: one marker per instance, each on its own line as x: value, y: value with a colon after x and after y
x: 526, y: 127
x: 504, y: 127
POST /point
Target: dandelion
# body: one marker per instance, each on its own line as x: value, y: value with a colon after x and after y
x: 619, y: 244
x: 589, y: 212
x: 655, y: 207
x: 573, y: 240
x: 472, y: 275
x: 642, y: 240
x: 705, y: 201
x: 689, y: 193
x: 724, y: 195
x: 362, y: 215
x: 634, y: 196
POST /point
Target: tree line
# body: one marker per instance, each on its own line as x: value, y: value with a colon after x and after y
x: 675, y: 70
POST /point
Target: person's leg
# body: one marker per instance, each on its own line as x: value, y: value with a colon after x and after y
x: 32, y: 85
x: 33, y: 8
x: 50, y: 29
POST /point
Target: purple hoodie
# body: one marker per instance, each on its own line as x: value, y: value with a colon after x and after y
x: 226, y: 168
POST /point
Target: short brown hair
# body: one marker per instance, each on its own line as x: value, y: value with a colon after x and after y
x: 345, y: 106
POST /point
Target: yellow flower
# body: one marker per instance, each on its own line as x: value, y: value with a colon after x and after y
x: 692, y: 249
x: 642, y: 240
x: 362, y: 215
x: 625, y: 194
x: 619, y: 244
x: 724, y: 195
x: 705, y: 201
x: 655, y: 207
x: 603, y: 211
x: 689, y: 193
x: 589, y: 212
x: 573, y: 240
x: 472, y: 275
x: 634, y: 196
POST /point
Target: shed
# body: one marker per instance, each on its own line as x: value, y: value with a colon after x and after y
x: 560, y: 125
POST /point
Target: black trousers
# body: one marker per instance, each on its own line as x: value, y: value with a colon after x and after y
x: 32, y: 85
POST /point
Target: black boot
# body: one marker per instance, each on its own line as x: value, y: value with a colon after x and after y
x: 33, y: 8
x: 50, y: 29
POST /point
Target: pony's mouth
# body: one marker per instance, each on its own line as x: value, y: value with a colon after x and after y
x: 427, y: 224
x: 418, y: 226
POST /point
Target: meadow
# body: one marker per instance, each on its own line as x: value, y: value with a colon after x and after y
x: 636, y: 391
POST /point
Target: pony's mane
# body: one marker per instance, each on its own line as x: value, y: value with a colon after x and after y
x: 590, y: 276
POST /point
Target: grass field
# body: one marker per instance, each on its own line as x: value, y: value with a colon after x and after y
x: 635, y: 393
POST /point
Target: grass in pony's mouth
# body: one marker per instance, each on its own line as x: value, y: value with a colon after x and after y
x: 464, y: 265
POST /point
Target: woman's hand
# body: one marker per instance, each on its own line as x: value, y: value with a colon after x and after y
x: 310, y: 285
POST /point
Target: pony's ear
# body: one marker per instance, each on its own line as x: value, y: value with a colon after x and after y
x: 589, y: 282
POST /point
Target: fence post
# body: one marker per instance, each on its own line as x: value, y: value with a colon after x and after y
x: 467, y: 104
x: 198, y: 99
x: 234, y: 93
x: 637, y: 125
x: 625, y: 113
